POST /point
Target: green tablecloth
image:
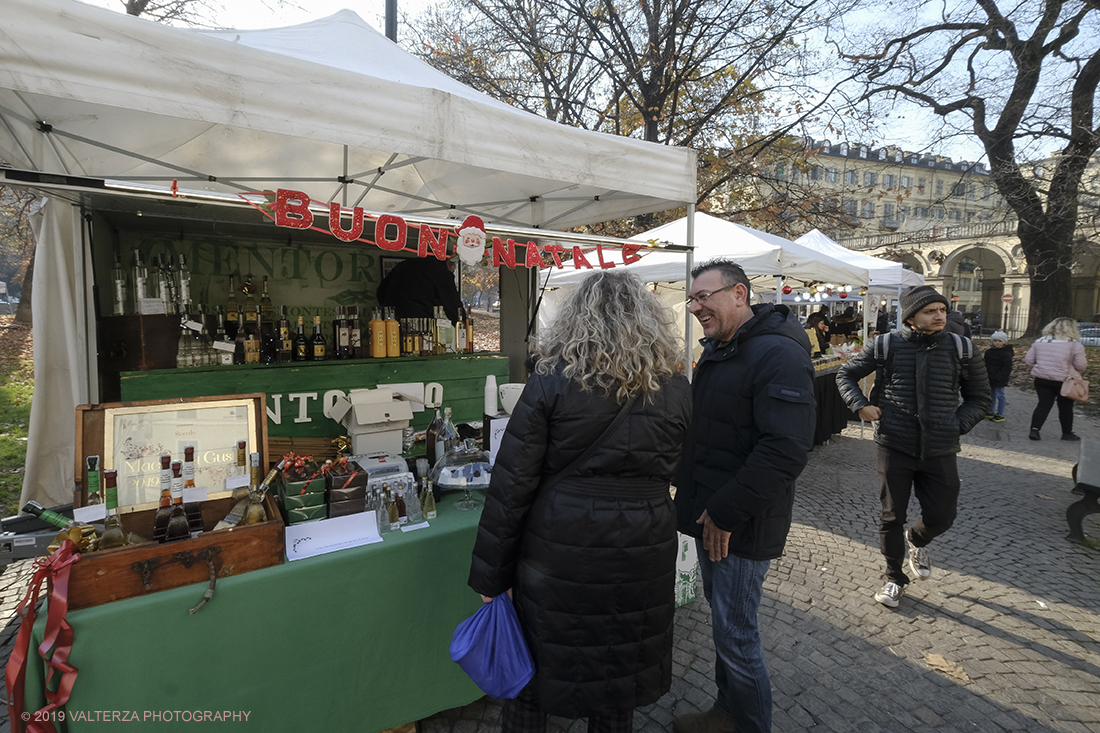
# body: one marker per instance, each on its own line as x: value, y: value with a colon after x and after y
x: 355, y: 640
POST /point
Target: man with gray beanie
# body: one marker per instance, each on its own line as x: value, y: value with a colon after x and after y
x: 921, y: 372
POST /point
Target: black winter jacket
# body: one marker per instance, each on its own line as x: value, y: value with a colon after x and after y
x: 921, y: 414
x: 592, y: 561
x: 998, y: 365
x: 752, y: 429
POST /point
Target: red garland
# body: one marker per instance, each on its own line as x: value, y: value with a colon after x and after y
x: 58, y: 636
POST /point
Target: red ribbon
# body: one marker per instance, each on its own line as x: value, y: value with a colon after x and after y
x: 58, y: 636
x: 308, y: 481
x: 348, y: 482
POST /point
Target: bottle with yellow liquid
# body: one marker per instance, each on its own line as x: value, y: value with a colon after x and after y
x: 393, y: 334
x: 377, y: 335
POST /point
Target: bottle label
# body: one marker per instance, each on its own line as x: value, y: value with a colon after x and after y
x: 354, y: 337
x: 120, y: 291
x: 185, y: 291
x: 250, y: 317
x: 287, y: 345
x: 284, y: 333
x: 252, y: 351
x: 189, y: 472
x: 231, y: 316
x: 302, y: 351
x: 318, y: 351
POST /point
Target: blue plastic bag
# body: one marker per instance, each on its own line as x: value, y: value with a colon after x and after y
x: 489, y: 647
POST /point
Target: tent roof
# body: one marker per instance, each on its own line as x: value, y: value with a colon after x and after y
x: 759, y: 253
x: 299, y: 107
x: 886, y: 275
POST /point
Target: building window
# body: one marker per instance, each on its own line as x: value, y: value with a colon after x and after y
x: 985, y: 192
x: 863, y: 151
x: 906, y: 181
x: 958, y: 189
x: 937, y: 213
x: 850, y: 177
x: 921, y: 212
x: 954, y: 215
x: 844, y: 148
x: 897, y: 157
x: 850, y: 207
x: 815, y: 173
x: 868, y: 179
x: 920, y: 185
x: 887, y: 211
x: 903, y: 212
x: 868, y: 211
x: 888, y: 180
x: 939, y: 187
x: 882, y: 154
x: 834, y: 175
x: 971, y: 191
x: 969, y: 216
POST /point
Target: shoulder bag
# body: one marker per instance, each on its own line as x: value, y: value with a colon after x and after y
x: 1075, y: 386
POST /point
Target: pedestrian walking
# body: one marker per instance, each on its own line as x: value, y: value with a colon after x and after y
x: 1049, y: 359
x: 579, y: 525
x: 752, y: 428
x: 922, y: 370
x: 998, y: 367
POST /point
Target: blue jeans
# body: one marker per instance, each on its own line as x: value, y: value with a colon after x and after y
x: 998, y: 401
x: 732, y: 587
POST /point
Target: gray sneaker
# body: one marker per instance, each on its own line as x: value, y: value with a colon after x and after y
x: 890, y: 594
x: 919, y: 564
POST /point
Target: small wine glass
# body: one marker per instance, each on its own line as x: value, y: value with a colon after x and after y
x: 467, y: 502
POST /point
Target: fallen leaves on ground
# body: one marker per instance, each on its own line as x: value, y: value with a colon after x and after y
x: 949, y: 668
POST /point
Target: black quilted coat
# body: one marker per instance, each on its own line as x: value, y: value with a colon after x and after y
x: 921, y: 411
x: 752, y: 430
x: 593, y: 560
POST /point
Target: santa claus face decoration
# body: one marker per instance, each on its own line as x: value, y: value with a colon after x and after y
x: 471, y: 240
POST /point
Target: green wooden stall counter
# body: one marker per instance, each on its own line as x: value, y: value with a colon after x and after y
x: 356, y: 640
x: 298, y: 392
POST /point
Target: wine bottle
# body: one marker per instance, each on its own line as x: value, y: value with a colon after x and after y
x: 113, y: 533
x: 232, y: 310
x: 286, y: 344
x: 118, y: 275
x: 270, y: 343
x: 267, y: 310
x: 140, y: 276
x: 183, y: 284
x: 49, y: 515
x: 252, y: 336
x: 432, y: 438
x: 341, y: 337
x: 301, y: 345
x: 393, y: 334
x: 251, y: 307
x: 238, y: 342
x: 355, y: 334
x: 319, y: 346
x: 225, y: 356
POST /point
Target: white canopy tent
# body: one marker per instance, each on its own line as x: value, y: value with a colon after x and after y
x: 329, y: 107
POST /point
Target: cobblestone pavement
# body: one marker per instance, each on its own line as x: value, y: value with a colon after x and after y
x: 1012, y: 607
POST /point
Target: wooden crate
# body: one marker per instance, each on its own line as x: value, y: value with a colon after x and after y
x: 110, y: 575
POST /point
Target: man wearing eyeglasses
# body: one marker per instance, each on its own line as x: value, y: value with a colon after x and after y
x: 752, y: 429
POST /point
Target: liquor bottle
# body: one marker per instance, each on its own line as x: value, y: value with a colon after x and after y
x: 267, y: 310
x: 270, y: 343
x: 49, y: 515
x: 393, y: 334
x: 110, y: 490
x: 425, y: 337
x: 164, y: 512
x: 204, y: 349
x: 189, y: 467
x: 445, y: 332
x: 177, y: 482
x: 165, y: 474
x: 163, y: 291
x: 254, y: 513
x: 427, y: 502
x: 238, y: 342
x: 338, y: 323
x: 431, y: 437
x: 402, y: 507
x: 460, y: 330
x: 382, y: 513
x: 286, y: 344
x: 118, y: 275
x: 183, y: 284
x: 241, y: 507
x: 448, y: 435
x: 391, y: 509
x: 185, y: 346
x: 251, y: 307
x: 242, y: 458
x: 113, y: 533
x: 252, y: 336
x: 254, y: 462
x: 377, y: 335
x: 320, y: 348
x: 225, y: 357
x: 301, y: 345
x: 140, y: 276
x: 355, y: 334
x: 232, y: 310
x: 412, y: 501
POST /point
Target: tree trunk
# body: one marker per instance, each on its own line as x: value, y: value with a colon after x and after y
x: 23, y: 311
x: 1049, y: 258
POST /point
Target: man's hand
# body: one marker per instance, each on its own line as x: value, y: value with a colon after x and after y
x: 488, y: 599
x: 715, y: 541
x: 870, y: 413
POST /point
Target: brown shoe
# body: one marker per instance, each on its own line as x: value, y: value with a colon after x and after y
x: 711, y: 721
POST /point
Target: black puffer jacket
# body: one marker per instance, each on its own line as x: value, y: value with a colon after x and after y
x: 921, y: 414
x: 998, y: 365
x: 752, y: 429
x: 593, y: 560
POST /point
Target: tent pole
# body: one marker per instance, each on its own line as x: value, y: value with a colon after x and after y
x: 690, y: 259
x: 778, y: 289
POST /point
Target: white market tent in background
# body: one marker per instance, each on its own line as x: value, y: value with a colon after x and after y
x: 885, y: 275
x: 330, y: 107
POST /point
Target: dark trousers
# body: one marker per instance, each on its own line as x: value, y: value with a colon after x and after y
x: 936, y: 483
x: 1049, y: 392
x: 523, y: 715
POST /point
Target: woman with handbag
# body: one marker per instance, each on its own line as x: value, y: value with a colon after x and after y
x: 1055, y: 357
x: 578, y: 524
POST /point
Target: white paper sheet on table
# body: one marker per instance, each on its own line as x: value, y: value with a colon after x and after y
x: 329, y: 535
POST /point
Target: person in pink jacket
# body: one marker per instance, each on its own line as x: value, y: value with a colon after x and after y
x: 1049, y: 359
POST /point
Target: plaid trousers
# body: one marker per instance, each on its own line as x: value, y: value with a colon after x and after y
x: 522, y: 715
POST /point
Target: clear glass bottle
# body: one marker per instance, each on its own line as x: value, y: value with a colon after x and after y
x: 255, y: 513
x: 224, y: 356
x: 232, y: 309
x: 118, y: 276
x: 139, y: 280
x: 391, y: 508
x: 185, y: 346
x: 447, y: 439
x: 427, y: 501
x: 183, y: 284
x: 382, y: 514
x: 412, y: 501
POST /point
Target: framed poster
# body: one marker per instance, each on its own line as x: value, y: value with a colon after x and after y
x: 388, y: 264
x: 135, y: 437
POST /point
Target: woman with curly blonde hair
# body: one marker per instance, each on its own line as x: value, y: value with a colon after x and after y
x: 1050, y: 358
x: 578, y: 525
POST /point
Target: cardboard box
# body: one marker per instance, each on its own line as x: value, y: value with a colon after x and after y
x: 374, y: 419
